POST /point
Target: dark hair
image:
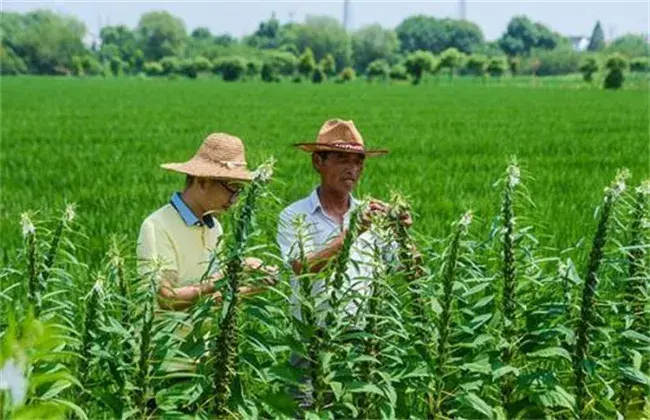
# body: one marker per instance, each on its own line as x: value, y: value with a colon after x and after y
x: 188, y: 181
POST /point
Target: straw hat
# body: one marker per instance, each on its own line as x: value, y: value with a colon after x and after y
x: 221, y: 156
x: 339, y: 136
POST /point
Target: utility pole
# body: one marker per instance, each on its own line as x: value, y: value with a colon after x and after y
x: 462, y: 9
x: 346, y: 14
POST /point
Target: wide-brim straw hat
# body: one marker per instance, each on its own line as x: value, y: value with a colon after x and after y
x: 338, y: 135
x: 221, y: 156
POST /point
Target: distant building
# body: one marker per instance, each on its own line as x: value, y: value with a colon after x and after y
x: 579, y: 43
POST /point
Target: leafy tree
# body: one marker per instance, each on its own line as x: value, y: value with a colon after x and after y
x: 450, y: 58
x: 328, y: 64
x: 513, y: 65
x: 91, y: 66
x: 378, y: 69
x: 398, y: 72
x: 640, y: 64
x: 45, y: 41
x: 268, y: 73
x: 324, y: 35
x: 253, y: 68
x: 202, y: 64
x: 476, y: 64
x: 161, y: 35
x: 117, y: 66
x: 232, y: 68
x: 616, y: 64
x: 588, y: 67
x: 597, y: 40
x: 153, y: 68
x: 418, y: 63
x: 118, y: 41
x: 430, y: 34
x: 372, y: 42
x: 282, y: 63
x: 306, y: 63
x: 630, y: 45
x: 347, y: 74
x: 170, y: 65
x: 497, y: 66
x: 202, y: 33
x: 318, y: 75
x: 188, y: 68
x: 522, y: 35
x: 562, y: 60
x: 10, y: 62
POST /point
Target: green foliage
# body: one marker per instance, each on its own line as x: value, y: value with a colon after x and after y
x: 616, y: 64
x: 10, y: 62
x: 328, y: 64
x: 324, y: 35
x: 640, y: 64
x: 202, y: 64
x: 589, y: 66
x: 371, y: 43
x: 630, y: 45
x: 497, y: 66
x: 281, y: 63
x: 347, y: 74
x: 562, y: 60
x: 435, y: 35
x: 253, y: 68
x: 230, y: 68
x: 476, y: 64
x: 450, y: 58
x: 318, y: 75
x: 45, y: 41
x: 153, y: 68
x: 306, y: 63
x: 161, y: 34
x: 597, y: 40
x: 523, y: 35
x: 378, y: 69
x: 419, y: 63
x: 398, y: 72
x: 170, y: 65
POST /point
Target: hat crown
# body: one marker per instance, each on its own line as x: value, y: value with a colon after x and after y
x: 339, y: 131
x: 222, y: 148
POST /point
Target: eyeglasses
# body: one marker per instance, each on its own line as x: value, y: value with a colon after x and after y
x: 234, y: 192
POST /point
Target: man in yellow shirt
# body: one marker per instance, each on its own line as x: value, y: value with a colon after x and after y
x: 182, y: 235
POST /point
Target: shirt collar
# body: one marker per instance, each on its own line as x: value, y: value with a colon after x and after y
x: 314, y: 201
x: 186, y: 213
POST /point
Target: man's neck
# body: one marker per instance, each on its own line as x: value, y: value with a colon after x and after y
x: 334, y: 202
x: 192, y: 204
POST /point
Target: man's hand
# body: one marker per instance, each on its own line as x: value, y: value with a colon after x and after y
x: 374, y: 207
x: 271, y: 271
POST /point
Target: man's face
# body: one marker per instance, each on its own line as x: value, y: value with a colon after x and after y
x: 216, y: 196
x: 339, y: 171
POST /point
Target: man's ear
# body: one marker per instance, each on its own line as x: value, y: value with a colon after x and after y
x: 316, y: 162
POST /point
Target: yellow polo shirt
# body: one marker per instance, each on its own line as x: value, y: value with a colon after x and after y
x: 182, y: 247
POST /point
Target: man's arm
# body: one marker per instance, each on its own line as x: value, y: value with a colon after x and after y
x: 180, y: 298
x: 317, y: 261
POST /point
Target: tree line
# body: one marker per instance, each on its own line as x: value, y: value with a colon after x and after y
x: 45, y: 42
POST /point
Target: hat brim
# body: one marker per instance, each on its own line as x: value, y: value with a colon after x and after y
x: 202, y: 169
x: 319, y: 147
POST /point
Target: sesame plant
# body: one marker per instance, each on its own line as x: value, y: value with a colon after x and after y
x: 478, y: 324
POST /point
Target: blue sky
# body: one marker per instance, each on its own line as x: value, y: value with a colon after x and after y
x: 242, y: 17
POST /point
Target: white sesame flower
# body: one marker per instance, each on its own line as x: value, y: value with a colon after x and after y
x: 264, y: 172
x: 27, y: 225
x: 70, y: 212
x: 514, y: 176
x: 466, y: 220
x: 12, y: 379
x: 644, y: 188
x: 563, y: 269
x: 98, y: 287
x: 618, y: 186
